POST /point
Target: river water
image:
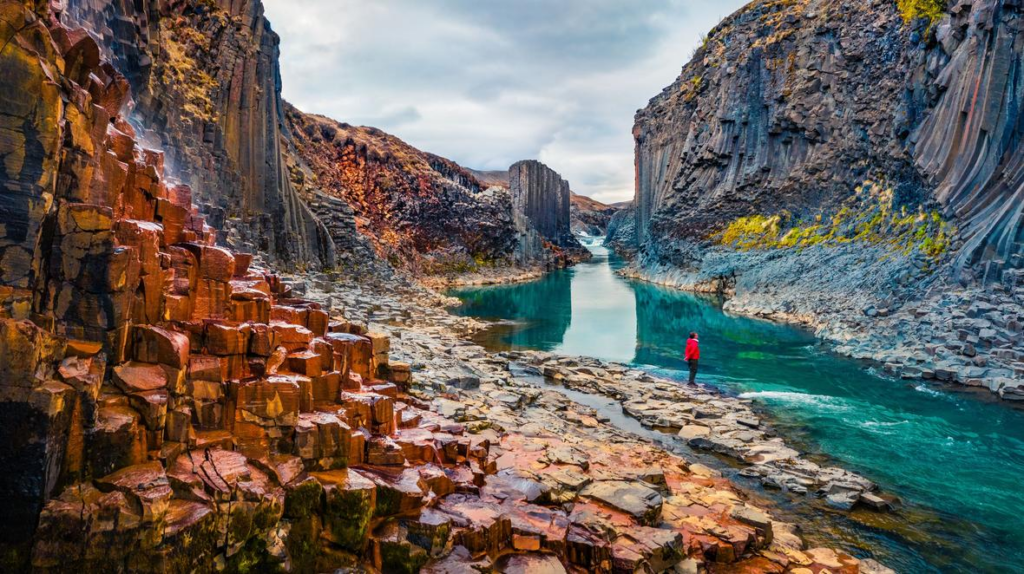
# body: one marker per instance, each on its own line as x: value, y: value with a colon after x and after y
x: 955, y: 459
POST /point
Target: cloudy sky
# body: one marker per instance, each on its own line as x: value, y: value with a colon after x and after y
x: 490, y: 82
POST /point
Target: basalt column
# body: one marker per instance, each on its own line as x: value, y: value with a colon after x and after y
x: 207, y: 89
x: 541, y: 210
x: 541, y: 196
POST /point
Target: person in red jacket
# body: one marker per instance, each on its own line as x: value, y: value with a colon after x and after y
x: 692, y: 356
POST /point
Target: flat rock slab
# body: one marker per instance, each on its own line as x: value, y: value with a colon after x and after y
x: 694, y: 431
x: 633, y: 498
x: 529, y: 564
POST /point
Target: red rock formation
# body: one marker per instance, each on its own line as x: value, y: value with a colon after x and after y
x: 587, y: 215
x: 164, y: 399
x: 422, y: 211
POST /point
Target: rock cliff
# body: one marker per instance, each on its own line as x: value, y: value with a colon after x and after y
x: 541, y: 210
x: 808, y: 136
x: 423, y: 212
x: 207, y: 92
x: 790, y: 105
x: 428, y: 215
x: 589, y: 216
x: 620, y: 234
x: 786, y: 106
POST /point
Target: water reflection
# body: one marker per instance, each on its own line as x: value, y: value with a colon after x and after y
x: 953, y: 458
x: 665, y: 318
x: 542, y: 311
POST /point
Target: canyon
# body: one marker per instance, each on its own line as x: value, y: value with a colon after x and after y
x: 223, y: 345
x: 809, y: 137
x: 171, y: 403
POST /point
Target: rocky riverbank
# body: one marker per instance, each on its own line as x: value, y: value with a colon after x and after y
x: 881, y: 308
x: 491, y: 394
x: 487, y: 276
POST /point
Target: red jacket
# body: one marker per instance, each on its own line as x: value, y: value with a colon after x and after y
x: 692, y: 349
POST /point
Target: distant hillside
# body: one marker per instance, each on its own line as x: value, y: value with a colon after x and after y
x: 492, y: 178
x: 589, y: 216
x: 422, y: 211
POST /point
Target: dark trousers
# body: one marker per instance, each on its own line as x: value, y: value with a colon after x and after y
x: 693, y: 371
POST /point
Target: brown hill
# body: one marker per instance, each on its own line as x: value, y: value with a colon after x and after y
x: 422, y: 211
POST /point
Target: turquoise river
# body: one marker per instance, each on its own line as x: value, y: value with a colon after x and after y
x: 955, y: 458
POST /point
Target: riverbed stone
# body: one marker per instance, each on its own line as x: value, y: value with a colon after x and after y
x: 633, y: 498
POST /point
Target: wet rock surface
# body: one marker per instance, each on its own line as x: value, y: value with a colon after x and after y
x: 206, y: 90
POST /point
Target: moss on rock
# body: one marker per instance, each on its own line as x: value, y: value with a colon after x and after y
x: 869, y: 217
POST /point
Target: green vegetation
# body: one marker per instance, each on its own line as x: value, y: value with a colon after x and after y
x: 447, y: 263
x: 868, y: 218
x: 930, y: 10
x: 703, y: 43
x: 694, y: 86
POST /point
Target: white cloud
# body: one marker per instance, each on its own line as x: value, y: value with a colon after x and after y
x: 490, y: 83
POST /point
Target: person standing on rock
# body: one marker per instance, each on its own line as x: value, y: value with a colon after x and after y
x: 692, y: 356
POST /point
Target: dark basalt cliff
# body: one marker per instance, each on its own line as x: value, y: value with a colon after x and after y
x: 787, y: 106
x: 620, y: 233
x: 542, y: 196
x: 540, y: 202
x: 790, y: 105
x: 207, y: 91
x: 833, y: 164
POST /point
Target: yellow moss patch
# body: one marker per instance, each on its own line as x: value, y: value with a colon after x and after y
x: 869, y: 218
x: 753, y: 232
x: 930, y: 10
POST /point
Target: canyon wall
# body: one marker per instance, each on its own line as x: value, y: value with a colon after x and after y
x: 207, y: 92
x: 541, y: 210
x: 589, y: 216
x: 967, y: 144
x: 836, y: 165
x: 786, y: 106
x: 620, y: 234
x: 423, y: 213
x: 789, y: 106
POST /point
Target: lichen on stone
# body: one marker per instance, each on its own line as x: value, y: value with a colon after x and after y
x: 868, y: 217
x: 180, y: 71
x: 930, y: 10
